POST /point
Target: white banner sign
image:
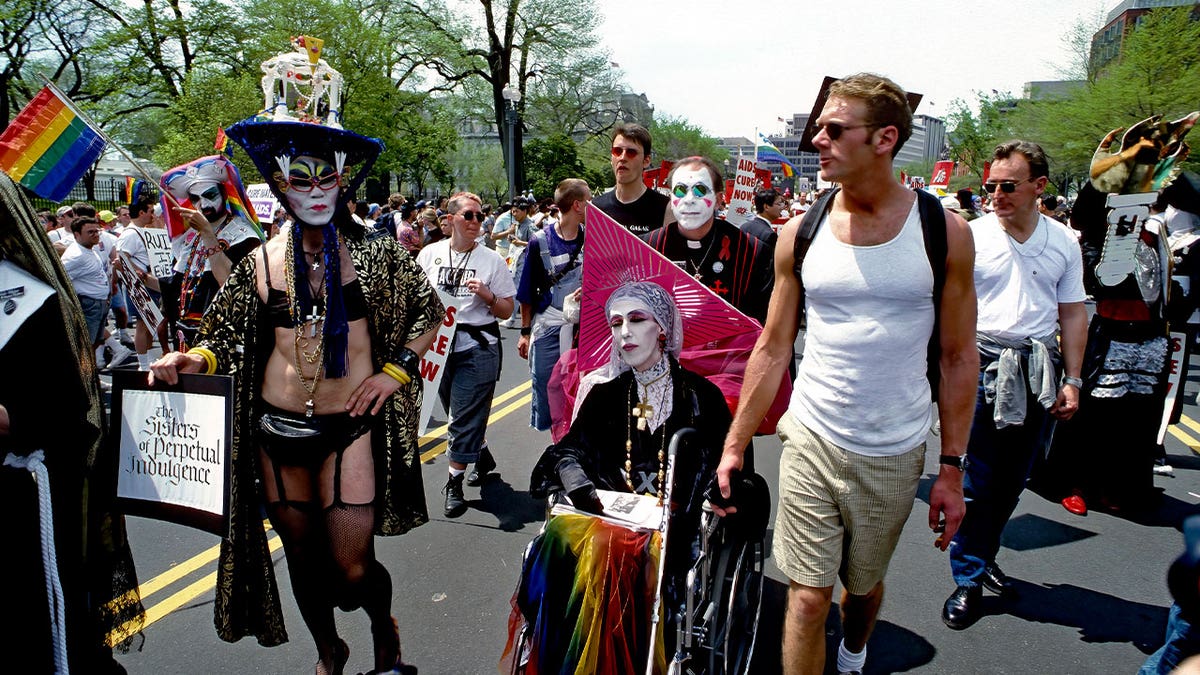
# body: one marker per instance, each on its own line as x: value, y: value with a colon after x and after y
x: 741, y: 203
x: 146, y: 307
x: 1176, y: 364
x: 263, y: 201
x: 433, y: 364
x: 158, y: 248
x: 172, y: 449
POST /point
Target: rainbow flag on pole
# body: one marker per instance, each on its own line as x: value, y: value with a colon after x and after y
x: 767, y: 150
x: 48, y: 147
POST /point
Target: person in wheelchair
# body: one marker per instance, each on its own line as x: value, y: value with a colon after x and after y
x: 628, y: 412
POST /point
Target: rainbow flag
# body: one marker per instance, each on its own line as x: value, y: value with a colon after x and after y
x: 133, y: 188
x: 767, y: 150
x: 48, y: 147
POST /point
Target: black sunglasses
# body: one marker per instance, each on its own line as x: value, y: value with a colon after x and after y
x: 471, y: 215
x: 834, y: 130
x: 1006, y: 186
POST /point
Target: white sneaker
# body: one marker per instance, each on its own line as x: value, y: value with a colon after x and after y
x: 119, y: 356
x: 1164, y: 470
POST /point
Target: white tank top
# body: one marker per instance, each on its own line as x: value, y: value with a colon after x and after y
x: 862, y: 383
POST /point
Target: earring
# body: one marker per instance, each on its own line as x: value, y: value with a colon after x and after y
x: 662, y: 341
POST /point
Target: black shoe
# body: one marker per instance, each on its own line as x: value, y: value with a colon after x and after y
x: 483, y: 466
x: 996, y: 581
x: 958, y: 613
x: 456, y: 504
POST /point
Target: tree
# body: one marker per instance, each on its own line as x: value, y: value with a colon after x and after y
x: 43, y: 37
x: 676, y: 138
x: 548, y: 161
x: 975, y: 130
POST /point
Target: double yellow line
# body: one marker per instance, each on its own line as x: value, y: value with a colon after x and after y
x: 434, y: 438
x: 1187, y: 439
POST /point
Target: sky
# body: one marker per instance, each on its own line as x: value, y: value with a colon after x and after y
x: 692, y: 60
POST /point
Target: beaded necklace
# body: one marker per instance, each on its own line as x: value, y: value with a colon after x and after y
x: 641, y: 412
x: 310, y: 384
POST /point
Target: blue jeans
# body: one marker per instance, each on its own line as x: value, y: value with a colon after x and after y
x: 543, y: 354
x: 999, y: 461
x: 466, y: 391
x: 1182, y: 641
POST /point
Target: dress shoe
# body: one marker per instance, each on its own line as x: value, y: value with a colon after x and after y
x: 1076, y: 505
x: 958, y: 612
x: 996, y: 580
x: 483, y: 467
x: 456, y: 503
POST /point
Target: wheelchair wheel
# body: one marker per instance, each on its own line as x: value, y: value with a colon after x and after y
x: 737, y: 592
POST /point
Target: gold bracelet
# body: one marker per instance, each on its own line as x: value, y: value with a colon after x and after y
x: 396, y: 373
x: 210, y: 359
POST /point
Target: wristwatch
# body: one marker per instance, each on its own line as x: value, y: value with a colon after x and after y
x: 1073, y: 381
x: 958, y: 461
x: 526, y: 330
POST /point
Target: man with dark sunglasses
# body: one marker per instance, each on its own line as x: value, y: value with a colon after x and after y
x: 855, y: 429
x: 1029, y: 278
x: 630, y: 202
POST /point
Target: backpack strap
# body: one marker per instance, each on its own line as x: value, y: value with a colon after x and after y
x: 933, y: 229
x: 804, y: 238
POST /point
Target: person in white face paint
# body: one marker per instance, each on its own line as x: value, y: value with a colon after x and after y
x: 626, y: 413
x: 735, y: 265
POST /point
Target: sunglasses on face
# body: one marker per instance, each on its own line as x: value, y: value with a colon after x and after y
x: 699, y: 190
x: 628, y: 153
x: 306, y: 184
x: 471, y: 215
x: 834, y: 130
x: 1006, y: 186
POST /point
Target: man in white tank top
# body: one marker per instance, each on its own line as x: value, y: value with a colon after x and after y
x: 854, y: 434
x: 1029, y: 279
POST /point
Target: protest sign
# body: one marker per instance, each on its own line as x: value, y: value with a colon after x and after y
x: 433, y: 363
x: 941, y: 175
x: 146, y: 307
x: 264, y: 203
x: 741, y: 204
x: 172, y: 452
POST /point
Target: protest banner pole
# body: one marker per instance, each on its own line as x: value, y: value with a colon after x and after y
x: 95, y: 127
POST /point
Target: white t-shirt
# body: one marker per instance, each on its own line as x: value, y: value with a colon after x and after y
x: 862, y: 384
x: 88, y: 270
x: 1020, y: 286
x: 450, y: 271
x: 131, y: 244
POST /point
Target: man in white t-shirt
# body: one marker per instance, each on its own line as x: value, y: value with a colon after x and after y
x: 854, y: 432
x: 90, y: 269
x: 1029, y: 281
x: 132, y: 243
x: 478, y: 278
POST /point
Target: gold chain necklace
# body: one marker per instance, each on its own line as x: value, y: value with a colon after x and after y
x: 641, y: 411
x: 310, y: 385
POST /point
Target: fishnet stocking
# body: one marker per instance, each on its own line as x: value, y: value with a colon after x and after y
x: 302, y: 531
x: 365, y: 582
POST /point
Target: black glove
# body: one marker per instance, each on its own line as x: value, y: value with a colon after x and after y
x: 585, y: 498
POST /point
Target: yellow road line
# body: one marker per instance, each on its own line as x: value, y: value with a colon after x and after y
x: 496, y: 415
x: 434, y: 434
x: 1187, y: 440
x: 178, y: 572
x: 1189, y: 423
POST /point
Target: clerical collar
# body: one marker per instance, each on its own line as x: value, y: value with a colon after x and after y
x: 654, y: 372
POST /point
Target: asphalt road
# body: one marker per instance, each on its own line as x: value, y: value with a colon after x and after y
x: 1093, y: 597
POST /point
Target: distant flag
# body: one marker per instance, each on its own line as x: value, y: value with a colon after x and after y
x: 767, y: 151
x: 48, y: 146
x: 222, y: 145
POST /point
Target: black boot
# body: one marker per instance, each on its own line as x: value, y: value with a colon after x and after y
x: 959, y: 612
x: 996, y: 580
x: 483, y: 467
x: 456, y: 503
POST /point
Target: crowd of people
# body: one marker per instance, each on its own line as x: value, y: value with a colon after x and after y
x: 965, y: 314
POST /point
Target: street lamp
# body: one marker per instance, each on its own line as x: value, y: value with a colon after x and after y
x: 511, y: 97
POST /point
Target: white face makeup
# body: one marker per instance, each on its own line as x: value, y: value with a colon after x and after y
x: 693, y: 198
x: 313, y: 189
x: 635, y: 333
x: 209, y: 200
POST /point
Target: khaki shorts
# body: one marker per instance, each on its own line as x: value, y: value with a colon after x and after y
x: 840, y: 513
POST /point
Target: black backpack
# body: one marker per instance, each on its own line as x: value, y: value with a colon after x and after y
x: 933, y: 228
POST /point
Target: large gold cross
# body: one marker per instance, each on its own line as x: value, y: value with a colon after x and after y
x: 642, y: 412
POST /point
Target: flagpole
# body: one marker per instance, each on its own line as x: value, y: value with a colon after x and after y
x: 62, y: 96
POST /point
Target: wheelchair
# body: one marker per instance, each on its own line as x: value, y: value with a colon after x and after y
x: 716, y: 626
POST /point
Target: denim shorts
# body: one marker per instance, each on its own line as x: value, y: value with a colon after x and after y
x: 95, y: 313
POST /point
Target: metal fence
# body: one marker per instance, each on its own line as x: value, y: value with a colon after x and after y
x: 106, y: 193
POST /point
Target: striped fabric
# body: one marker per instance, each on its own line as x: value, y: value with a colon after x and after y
x: 48, y: 147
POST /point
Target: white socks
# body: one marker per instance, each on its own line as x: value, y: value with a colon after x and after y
x: 144, y: 361
x: 455, y: 473
x: 848, y: 661
x: 112, y: 342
